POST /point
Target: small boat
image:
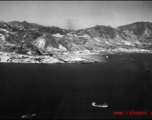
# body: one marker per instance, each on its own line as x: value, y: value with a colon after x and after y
x: 102, y: 105
x: 133, y: 59
x: 29, y: 116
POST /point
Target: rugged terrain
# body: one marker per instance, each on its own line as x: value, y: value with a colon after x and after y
x: 37, y: 40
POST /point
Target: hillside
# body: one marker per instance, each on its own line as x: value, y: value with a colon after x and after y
x: 34, y: 39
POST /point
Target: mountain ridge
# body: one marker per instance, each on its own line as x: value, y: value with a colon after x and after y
x: 46, y: 39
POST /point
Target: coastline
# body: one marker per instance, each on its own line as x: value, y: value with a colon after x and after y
x: 44, y: 59
x: 78, y: 58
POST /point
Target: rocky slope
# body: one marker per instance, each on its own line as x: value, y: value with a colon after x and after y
x: 34, y: 39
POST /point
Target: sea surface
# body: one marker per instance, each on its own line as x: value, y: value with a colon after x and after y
x: 123, y: 82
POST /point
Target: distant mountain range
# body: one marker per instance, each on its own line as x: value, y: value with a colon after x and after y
x: 34, y: 39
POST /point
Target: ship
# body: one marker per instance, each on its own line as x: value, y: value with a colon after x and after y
x: 102, y: 105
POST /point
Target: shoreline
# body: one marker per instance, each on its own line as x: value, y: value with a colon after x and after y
x: 76, y: 58
x: 37, y: 59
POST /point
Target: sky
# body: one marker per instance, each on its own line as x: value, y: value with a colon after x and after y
x: 76, y: 14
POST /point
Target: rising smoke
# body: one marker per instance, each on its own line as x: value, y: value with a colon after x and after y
x: 71, y: 24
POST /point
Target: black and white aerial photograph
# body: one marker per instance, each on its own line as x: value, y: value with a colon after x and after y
x: 75, y: 59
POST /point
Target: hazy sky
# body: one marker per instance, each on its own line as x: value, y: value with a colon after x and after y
x: 76, y: 14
